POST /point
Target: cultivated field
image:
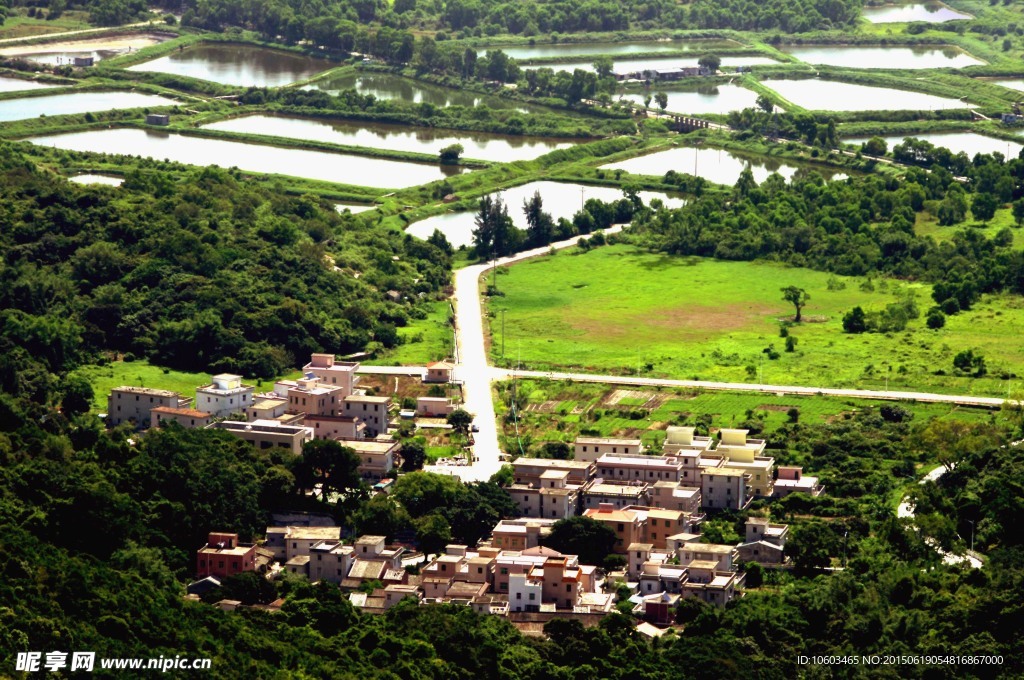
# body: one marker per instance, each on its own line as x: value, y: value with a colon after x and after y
x: 619, y: 309
x: 562, y: 411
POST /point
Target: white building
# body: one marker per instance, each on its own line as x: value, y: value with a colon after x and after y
x: 225, y: 396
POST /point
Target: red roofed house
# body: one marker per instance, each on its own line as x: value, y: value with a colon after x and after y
x: 223, y: 555
x: 439, y: 372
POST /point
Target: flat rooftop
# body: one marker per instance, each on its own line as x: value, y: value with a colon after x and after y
x: 147, y: 391
x: 608, y: 440
x: 187, y: 412
x: 637, y: 461
x: 552, y: 463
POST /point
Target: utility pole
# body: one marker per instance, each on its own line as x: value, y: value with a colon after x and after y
x: 582, y: 202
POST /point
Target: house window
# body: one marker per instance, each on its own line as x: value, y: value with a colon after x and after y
x: 533, y: 596
x: 568, y: 588
x: 504, y: 571
x: 622, y: 527
x: 519, y: 596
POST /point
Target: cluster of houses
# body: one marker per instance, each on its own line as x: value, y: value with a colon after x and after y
x: 693, y: 472
x: 654, y: 504
x: 326, y: 403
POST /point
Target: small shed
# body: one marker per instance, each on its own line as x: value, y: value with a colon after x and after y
x: 158, y: 119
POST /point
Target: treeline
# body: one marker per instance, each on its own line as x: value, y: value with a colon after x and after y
x: 197, y: 270
x: 295, y: 20
x: 495, y: 235
x: 351, y: 104
x: 859, y: 226
x: 101, y: 12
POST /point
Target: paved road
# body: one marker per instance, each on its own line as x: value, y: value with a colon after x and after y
x: 907, y: 511
x: 993, y: 402
x: 472, y: 367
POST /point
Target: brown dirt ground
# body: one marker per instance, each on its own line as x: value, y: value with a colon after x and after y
x: 692, y: 323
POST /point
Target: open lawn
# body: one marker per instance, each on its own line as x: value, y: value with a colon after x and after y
x: 20, y: 25
x: 562, y: 411
x: 423, y: 340
x: 621, y: 310
x: 138, y: 373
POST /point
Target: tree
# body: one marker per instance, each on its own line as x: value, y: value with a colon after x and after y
x: 483, y: 233
x: 333, y: 466
x: 661, y: 98
x: 765, y: 103
x: 935, y: 319
x: 592, y: 540
x: 433, y: 533
x: 460, y: 419
x: 969, y: 362
x: 540, y: 227
x: 875, y: 146
x: 603, y: 66
x: 1018, y: 211
x: 78, y: 396
x: 414, y: 454
x: 855, y: 321
x: 710, y: 62
x: 984, y: 206
x: 810, y: 547
x: 450, y: 154
x: 558, y: 450
x: 382, y: 515
x: 797, y: 297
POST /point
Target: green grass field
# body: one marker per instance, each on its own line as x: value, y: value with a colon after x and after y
x: 138, y: 373
x: 425, y: 340
x: 619, y: 309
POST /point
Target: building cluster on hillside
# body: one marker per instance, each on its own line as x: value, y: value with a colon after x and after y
x: 654, y: 505
x: 326, y: 403
x: 691, y: 474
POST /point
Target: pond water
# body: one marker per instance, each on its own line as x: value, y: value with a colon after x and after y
x: 389, y: 86
x: 550, y: 50
x: 79, y: 102
x: 354, y: 208
x: 109, y: 180
x: 969, y: 142
x: 18, y: 84
x: 832, y: 95
x: 255, y: 158
x: 560, y: 200
x: 632, y: 65
x: 479, y: 145
x: 241, y: 65
x: 57, y: 53
x: 704, y: 99
x: 930, y: 12
x: 1013, y: 84
x: 715, y: 165
x: 882, y: 57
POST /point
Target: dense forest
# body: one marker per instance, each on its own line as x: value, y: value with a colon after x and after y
x: 465, y: 18
x: 206, y: 273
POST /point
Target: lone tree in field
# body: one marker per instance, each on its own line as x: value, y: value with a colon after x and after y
x: 662, y: 100
x: 797, y: 297
x: 450, y: 154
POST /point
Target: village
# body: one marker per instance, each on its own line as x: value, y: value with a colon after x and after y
x: 654, y: 504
